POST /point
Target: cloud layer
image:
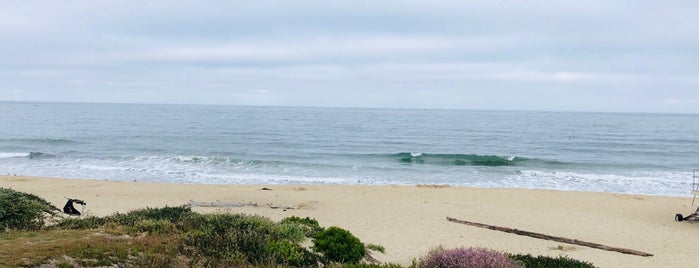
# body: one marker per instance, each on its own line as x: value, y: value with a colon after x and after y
x: 621, y: 56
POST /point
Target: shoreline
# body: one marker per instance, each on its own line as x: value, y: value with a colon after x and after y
x: 410, y: 220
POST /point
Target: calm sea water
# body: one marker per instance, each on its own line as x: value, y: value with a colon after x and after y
x: 623, y: 153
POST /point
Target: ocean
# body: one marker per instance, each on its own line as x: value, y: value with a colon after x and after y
x: 650, y: 154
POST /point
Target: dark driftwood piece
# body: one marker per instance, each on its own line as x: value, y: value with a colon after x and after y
x: 554, y: 238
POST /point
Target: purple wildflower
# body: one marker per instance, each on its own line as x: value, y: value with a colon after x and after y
x: 467, y: 258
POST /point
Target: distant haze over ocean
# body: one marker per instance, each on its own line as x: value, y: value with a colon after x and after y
x: 603, y: 152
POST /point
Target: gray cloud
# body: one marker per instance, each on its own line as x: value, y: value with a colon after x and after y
x: 623, y: 56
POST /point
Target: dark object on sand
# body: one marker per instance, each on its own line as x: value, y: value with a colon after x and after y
x: 70, y: 209
x: 695, y: 191
x: 691, y: 217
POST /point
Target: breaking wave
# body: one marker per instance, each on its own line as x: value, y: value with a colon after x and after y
x: 459, y: 159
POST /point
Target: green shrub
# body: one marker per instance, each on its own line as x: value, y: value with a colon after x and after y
x: 292, y: 232
x: 153, y: 220
x: 339, y: 245
x: 530, y: 261
x: 310, y: 226
x: 210, y: 247
x: 85, y: 223
x: 289, y: 254
x: 22, y: 211
x: 171, y: 214
x: 214, y: 238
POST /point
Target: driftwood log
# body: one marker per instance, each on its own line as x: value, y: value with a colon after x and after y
x: 219, y: 204
x: 553, y: 238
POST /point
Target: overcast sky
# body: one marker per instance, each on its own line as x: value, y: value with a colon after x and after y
x: 619, y: 56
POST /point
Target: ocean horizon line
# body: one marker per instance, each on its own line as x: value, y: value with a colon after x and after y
x: 348, y: 107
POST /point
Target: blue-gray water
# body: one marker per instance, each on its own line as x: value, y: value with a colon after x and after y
x: 622, y: 153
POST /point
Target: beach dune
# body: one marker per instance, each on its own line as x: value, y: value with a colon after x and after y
x: 410, y: 220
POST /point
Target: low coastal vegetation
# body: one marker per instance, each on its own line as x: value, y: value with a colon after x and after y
x: 23, y: 211
x: 33, y: 234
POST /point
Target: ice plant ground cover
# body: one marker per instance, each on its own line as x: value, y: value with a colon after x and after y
x: 467, y: 258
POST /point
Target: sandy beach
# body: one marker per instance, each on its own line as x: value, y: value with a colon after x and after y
x: 410, y: 220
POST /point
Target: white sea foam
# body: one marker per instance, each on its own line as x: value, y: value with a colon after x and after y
x: 651, y: 182
x: 104, y: 168
x: 10, y: 155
